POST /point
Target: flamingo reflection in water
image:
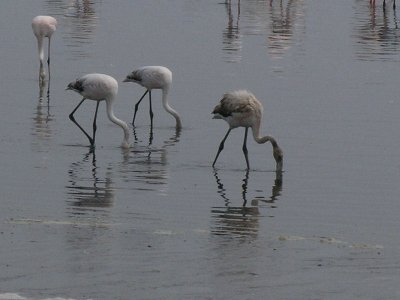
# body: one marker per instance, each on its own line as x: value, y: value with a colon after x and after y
x: 86, y: 189
x: 90, y: 197
x: 42, y: 119
x: 376, y: 34
x: 149, y: 166
x: 372, y: 2
x: 242, y: 220
x: 232, y: 38
x: 286, y: 22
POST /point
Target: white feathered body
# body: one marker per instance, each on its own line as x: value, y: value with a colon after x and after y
x: 95, y: 86
x: 100, y: 87
x: 44, y: 26
x: 151, y: 77
x: 239, y: 109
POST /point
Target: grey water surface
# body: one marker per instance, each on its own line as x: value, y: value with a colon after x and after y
x: 157, y: 221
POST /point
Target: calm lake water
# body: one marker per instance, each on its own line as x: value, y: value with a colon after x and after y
x: 157, y: 221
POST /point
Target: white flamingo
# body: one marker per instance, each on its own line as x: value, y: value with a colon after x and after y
x: 43, y: 26
x: 242, y: 109
x: 98, y: 87
x: 154, y: 77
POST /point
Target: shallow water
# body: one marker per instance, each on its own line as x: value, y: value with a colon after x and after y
x: 157, y: 221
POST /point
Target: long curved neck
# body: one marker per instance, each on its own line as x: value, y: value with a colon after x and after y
x: 169, y: 109
x: 42, y: 72
x: 261, y: 139
x: 40, y: 49
x: 114, y: 119
x: 277, y: 151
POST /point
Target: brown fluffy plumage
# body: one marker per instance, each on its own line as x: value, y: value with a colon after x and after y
x: 242, y: 109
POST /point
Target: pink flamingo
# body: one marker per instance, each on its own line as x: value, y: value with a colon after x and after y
x: 43, y: 26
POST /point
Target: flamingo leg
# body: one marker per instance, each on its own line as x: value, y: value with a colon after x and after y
x: 72, y: 118
x: 244, y: 187
x: 48, y: 57
x: 245, y: 148
x: 137, y: 106
x: 221, y: 146
x: 94, y: 122
x: 151, y: 136
x: 151, y: 111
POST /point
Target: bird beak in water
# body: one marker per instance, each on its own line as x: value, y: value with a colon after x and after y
x: 69, y: 87
x: 126, y: 80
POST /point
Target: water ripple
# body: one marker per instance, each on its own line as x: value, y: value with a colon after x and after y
x: 376, y: 34
x: 241, y: 221
x: 278, y: 21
